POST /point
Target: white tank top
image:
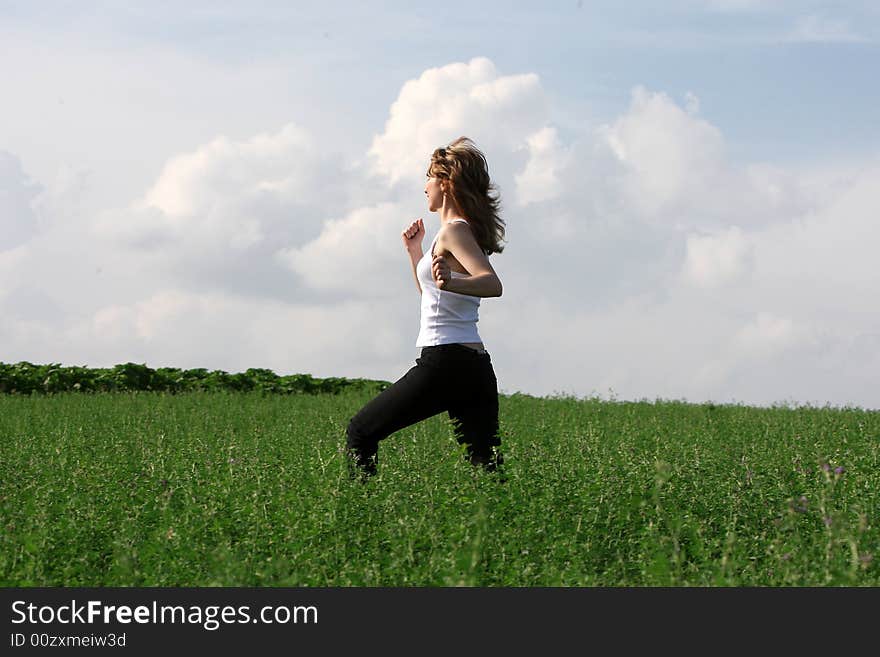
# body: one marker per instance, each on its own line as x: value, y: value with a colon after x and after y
x: 446, y: 316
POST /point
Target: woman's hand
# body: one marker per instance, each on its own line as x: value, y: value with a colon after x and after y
x: 441, y: 271
x: 413, y: 235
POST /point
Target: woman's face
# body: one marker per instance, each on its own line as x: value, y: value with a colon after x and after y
x: 434, y: 191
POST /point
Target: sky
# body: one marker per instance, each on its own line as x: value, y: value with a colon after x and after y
x: 689, y: 189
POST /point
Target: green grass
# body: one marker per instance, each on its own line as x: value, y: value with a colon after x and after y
x: 226, y: 489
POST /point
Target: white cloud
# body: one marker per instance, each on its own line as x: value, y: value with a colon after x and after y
x: 692, y: 103
x: 768, y: 333
x: 215, y: 216
x: 176, y: 328
x: 539, y: 180
x: 648, y: 262
x: 667, y: 153
x: 214, y: 193
x: 713, y: 260
x: 18, y: 222
x: 191, y: 183
x: 789, y: 248
x: 64, y: 198
x: 444, y: 103
x: 357, y: 254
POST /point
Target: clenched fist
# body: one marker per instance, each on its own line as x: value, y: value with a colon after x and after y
x: 413, y: 235
x: 441, y: 271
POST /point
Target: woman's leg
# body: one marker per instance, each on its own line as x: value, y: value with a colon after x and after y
x: 419, y: 394
x: 475, y: 415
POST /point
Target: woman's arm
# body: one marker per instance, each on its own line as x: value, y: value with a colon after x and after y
x: 415, y: 255
x: 481, y: 285
x: 458, y: 240
x: 412, y: 237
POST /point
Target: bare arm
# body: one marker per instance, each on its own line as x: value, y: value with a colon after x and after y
x: 480, y: 285
x: 412, y: 237
x: 415, y: 255
x: 482, y: 281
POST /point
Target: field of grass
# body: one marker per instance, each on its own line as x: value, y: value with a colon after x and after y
x: 246, y: 489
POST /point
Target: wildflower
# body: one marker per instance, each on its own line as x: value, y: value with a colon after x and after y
x: 839, y: 470
x: 825, y: 467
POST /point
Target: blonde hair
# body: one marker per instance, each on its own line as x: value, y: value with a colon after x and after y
x: 466, y: 169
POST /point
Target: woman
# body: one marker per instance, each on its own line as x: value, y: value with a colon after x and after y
x: 454, y: 372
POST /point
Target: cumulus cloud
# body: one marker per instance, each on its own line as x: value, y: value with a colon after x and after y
x: 220, y: 191
x: 182, y: 329
x: 18, y: 221
x: 194, y: 183
x: 713, y: 260
x: 443, y: 103
x: 649, y: 262
x: 669, y: 154
x: 215, y: 217
x: 356, y: 255
x: 539, y: 180
x: 767, y: 333
x: 780, y: 244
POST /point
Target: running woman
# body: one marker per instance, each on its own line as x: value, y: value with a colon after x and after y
x: 454, y: 371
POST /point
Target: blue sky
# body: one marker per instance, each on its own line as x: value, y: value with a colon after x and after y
x: 786, y: 80
x: 706, y: 168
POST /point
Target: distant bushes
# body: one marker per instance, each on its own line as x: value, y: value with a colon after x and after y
x: 26, y: 378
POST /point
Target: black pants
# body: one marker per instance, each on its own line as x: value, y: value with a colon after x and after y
x: 448, y: 377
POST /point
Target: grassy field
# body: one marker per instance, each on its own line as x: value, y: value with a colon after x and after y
x: 210, y: 489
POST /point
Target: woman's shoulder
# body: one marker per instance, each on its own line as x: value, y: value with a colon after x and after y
x: 453, y: 226
x: 456, y: 225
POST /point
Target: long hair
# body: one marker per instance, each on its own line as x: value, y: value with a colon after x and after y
x: 466, y: 169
